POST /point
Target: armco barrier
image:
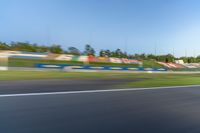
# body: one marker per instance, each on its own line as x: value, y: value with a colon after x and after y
x: 88, y: 67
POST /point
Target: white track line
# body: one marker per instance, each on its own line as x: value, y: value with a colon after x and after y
x: 91, y: 91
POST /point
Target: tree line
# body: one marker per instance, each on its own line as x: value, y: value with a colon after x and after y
x: 88, y: 50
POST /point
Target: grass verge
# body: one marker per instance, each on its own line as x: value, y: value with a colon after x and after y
x: 161, y: 80
x: 136, y: 79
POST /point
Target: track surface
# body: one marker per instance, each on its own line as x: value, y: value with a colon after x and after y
x: 59, y: 85
x: 173, y: 110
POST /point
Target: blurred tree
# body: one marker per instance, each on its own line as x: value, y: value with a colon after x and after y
x: 107, y: 53
x: 4, y: 46
x: 56, y: 49
x: 74, y: 51
x: 118, y: 53
x: 89, y: 50
x: 102, y: 53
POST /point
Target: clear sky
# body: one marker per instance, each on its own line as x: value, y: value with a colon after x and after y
x: 136, y: 26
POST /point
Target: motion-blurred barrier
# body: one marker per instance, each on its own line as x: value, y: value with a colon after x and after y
x: 3, y: 62
x: 172, y: 65
x: 88, y: 67
x: 26, y: 55
x: 66, y: 57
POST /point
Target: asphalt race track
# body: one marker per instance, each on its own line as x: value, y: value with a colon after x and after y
x: 171, y: 110
x: 57, y: 85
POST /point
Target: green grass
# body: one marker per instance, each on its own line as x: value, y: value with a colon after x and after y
x: 30, y: 75
x: 136, y: 79
x: 16, y: 62
x: 151, y: 63
x: 160, y: 80
x: 186, y: 69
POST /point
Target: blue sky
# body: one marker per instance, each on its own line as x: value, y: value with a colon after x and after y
x: 136, y: 26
